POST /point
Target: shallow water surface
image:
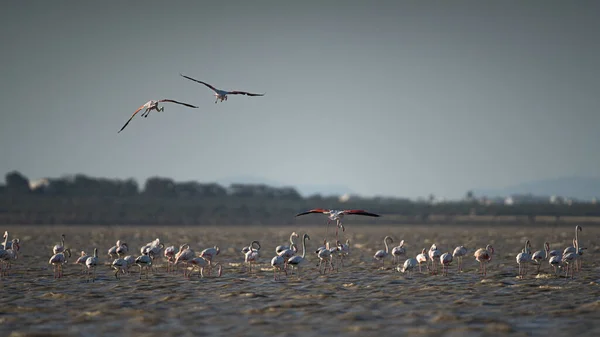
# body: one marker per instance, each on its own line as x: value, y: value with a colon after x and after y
x: 361, y: 298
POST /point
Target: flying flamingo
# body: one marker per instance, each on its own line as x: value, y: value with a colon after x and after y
x: 297, y: 261
x: 423, y: 258
x: 409, y: 265
x: 398, y: 251
x: 445, y: 261
x: 252, y: 255
x: 337, y: 216
x: 222, y: 94
x: 459, y: 253
x: 484, y: 256
x: 92, y: 263
x: 153, y: 105
x: 57, y: 260
x: 81, y: 260
x: 59, y: 247
x: 380, y: 255
x: 281, y: 248
x: 539, y: 256
x: 434, y: 255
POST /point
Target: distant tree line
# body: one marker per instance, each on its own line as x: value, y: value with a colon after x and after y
x: 80, y: 199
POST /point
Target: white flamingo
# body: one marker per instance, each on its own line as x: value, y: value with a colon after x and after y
x: 185, y: 255
x: 153, y: 105
x: 524, y: 258
x: 459, y: 253
x: 298, y: 261
x: 325, y: 258
x: 57, y: 260
x: 344, y: 251
x: 484, y: 256
x: 281, y: 248
x: 380, y: 255
x: 59, y: 247
x: 445, y: 261
x: 130, y: 262
x: 112, y: 251
x: 8, y: 245
x: 398, y: 251
x: 92, y: 263
x: 209, y: 254
x: 423, y: 258
x: 222, y: 94
x: 555, y: 262
x: 570, y: 259
x: 170, y: 253
x: 201, y: 263
x: 278, y: 264
x: 81, y: 261
x: 541, y: 255
x: 434, y: 255
x: 337, y: 216
x: 286, y: 254
x: 144, y: 261
x: 409, y: 265
x: 573, y: 249
x: 120, y: 265
x: 7, y: 255
x: 251, y: 256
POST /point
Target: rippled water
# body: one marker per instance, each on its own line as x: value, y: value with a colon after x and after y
x: 359, y: 299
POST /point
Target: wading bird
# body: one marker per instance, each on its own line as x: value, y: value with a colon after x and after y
x: 459, y: 253
x: 252, y: 255
x: 337, y: 216
x: 555, y: 262
x: 81, y: 260
x: 409, y: 265
x: 120, y: 265
x: 281, y: 248
x: 422, y: 258
x: 434, y: 255
x: 61, y: 246
x: 380, y: 255
x: 92, y: 263
x: 298, y: 261
x: 398, y: 251
x: 445, y: 261
x: 153, y: 105
x: 484, y: 256
x: 524, y: 258
x: 573, y: 249
x: 7, y: 255
x: 541, y: 255
x: 57, y: 260
x: 144, y: 261
x: 278, y: 264
x: 222, y: 94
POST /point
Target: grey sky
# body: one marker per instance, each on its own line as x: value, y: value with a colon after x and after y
x: 398, y: 98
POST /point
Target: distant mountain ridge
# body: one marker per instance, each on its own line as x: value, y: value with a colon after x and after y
x: 584, y: 188
x: 304, y: 190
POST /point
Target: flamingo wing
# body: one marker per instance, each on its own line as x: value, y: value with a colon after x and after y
x: 173, y: 101
x: 130, y: 118
x: 206, y: 84
x: 360, y: 212
x: 316, y: 210
x: 237, y: 92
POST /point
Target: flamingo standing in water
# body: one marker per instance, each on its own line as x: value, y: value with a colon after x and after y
x: 422, y: 258
x: 120, y: 265
x: 445, y: 261
x: 398, y: 251
x: 57, y: 260
x: 434, y: 255
x: 380, y: 255
x: 539, y: 256
x: 571, y: 258
x: 281, y: 248
x: 278, y: 264
x: 555, y: 262
x: 7, y: 255
x: 459, y: 253
x: 344, y: 251
x: 170, y: 256
x: 81, y: 261
x: 222, y: 94
x: 484, y: 256
x: 523, y: 258
x: 409, y: 265
x: 297, y: 261
x: 324, y: 258
x: 201, y: 263
x: 185, y: 255
x: 144, y: 261
x: 153, y: 105
x: 61, y: 246
x: 573, y: 249
x: 252, y: 255
x: 209, y: 254
x: 337, y: 216
x: 92, y: 263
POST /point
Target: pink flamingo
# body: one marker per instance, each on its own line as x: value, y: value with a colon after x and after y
x: 484, y: 256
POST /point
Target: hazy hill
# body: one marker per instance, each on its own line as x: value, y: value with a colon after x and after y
x: 571, y: 187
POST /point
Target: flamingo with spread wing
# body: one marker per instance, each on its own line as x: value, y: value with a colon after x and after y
x: 222, y: 94
x: 153, y: 105
x: 337, y: 216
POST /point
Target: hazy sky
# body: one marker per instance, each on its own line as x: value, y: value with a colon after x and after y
x: 396, y: 98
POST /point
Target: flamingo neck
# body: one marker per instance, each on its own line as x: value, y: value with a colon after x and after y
x: 303, y: 247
